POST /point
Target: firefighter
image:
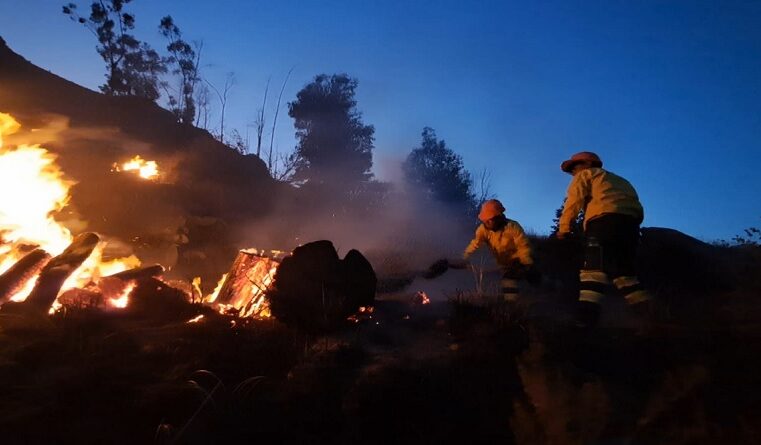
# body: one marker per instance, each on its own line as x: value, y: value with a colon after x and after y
x: 612, y: 216
x: 507, y: 242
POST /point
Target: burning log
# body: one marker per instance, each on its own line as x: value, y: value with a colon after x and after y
x: 247, y: 281
x: 57, y: 270
x: 15, y: 278
x: 81, y: 298
x: 139, y: 273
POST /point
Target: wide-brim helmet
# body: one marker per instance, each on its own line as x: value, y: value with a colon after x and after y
x: 582, y: 156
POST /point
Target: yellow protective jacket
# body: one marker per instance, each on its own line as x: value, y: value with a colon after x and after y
x: 597, y: 192
x: 507, y: 245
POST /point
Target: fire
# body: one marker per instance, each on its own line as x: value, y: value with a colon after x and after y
x: 213, y: 296
x: 27, y: 222
x: 364, y: 313
x: 144, y: 169
x: 122, y: 301
x: 243, y: 290
x: 27, y: 216
x: 195, y: 319
x: 422, y: 298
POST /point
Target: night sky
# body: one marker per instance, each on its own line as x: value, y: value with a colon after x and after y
x: 667, y: 92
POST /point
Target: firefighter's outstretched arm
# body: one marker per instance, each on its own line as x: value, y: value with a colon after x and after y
x: 478, y: 240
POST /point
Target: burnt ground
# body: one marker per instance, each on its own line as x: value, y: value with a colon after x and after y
x: 457, y: 369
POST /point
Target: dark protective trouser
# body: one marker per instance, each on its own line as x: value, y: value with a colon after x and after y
x: 611, y: 250
x: 510, y: 280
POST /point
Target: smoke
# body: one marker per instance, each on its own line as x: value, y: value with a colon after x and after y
x: 397, y: 227
x: 133, y: 215
x: 209, y: 202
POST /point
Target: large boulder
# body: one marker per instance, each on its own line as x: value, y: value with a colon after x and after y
x: 315, y: 291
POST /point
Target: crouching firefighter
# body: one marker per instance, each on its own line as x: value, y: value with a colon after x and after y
x: 507, y: 242
x: 612, y: 216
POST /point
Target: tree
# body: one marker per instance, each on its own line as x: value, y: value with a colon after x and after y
x: 577, y: 225
x: 133, y: 67
x: 439, y: 173
x: 186, y: 61
x: 203, y: 106
x: 288, y: 161
x: 482, y: 187
x: 259, y: 122
x: 335, y: 146
x: 222, y: 96
x: 752, y: 237
x: 237, y: 143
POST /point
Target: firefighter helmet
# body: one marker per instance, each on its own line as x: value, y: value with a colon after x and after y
x: 583, y: 156
x: 490, y: 209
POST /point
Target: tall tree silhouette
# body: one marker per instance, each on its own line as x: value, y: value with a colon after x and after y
x: 133, y: 67
x: 439, y: 172
x: 335, y: 146
x: 185, y: 61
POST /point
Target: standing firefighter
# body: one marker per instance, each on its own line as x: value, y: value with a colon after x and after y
x: 507, y: 242
x: 612, y: 215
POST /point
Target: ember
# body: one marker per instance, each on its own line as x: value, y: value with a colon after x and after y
x: 196, y: 319
x: 421, y: 298
x: 364, y: 313
x: 123, y: 299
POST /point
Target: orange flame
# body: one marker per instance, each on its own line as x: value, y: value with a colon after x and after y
x: 195, y: 319
x: 144, y: 169
x: 122, y: 301
x: 245, y: 293
x: 27, y: 219
x: 211, y: 298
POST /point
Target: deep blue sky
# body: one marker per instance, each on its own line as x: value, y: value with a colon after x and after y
x: 667, y: 92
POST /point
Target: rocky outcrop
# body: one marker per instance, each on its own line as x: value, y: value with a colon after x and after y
x: 314, y: 290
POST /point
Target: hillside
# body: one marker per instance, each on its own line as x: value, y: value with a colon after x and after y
x: 184, y: 219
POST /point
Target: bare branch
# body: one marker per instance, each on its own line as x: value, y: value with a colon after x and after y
x: 483, y: 192
x: 260, y: 121
x: 274, y: 120
x: 229, y: 82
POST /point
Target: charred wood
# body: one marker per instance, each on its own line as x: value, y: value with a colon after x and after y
x: 139, y: 273
x: 243, y: 261
x: 81, y: 298
x: 155, y: 300
x: 247, y: 282
x: 25, y: 269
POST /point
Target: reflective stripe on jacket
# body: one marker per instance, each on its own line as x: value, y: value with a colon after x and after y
x: 507, y: 245
x: 597, y: 192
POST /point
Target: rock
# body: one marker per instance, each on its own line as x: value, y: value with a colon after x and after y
x: 316, y: 291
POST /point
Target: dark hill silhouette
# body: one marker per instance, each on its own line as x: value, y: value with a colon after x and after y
x: 207, y: 188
